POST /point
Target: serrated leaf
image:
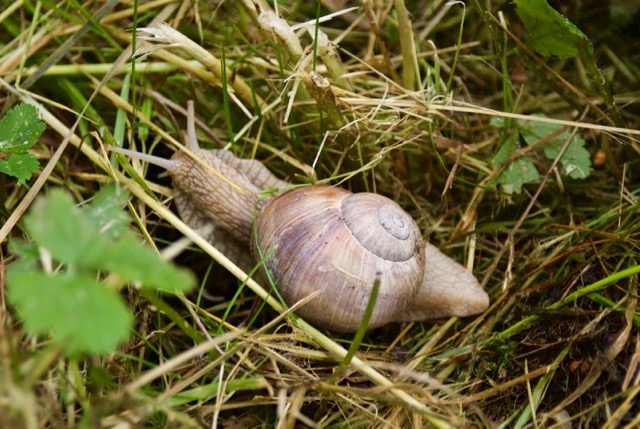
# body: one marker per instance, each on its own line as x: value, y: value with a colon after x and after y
x: 132, y: 262
x: 27, y: 253
x: 61, y: 228
x: 84, y: 239
x: 508, y: 146
x: 81, y: 313
x: 575, y: 161
x: 106, y: 213
x: 519, y: 172
x: 4, y: 167
x: 498, y: 122
x: 20, y: 165
x: 20, y: 128
x: 550, y: 33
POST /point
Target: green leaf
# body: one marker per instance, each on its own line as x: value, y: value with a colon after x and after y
x: 509, y: 146
x: 575, y: 161
x: 106, y: 213
x: 132, y: 262
x: 27, y: 253
x: 550, y: 33
x: 498, y: 122
x: 519, y: 172
x: 83, y: 238
x: 80, y: 313
x: 20, y: 166
x: 69, y: 236
x: 20, y: 128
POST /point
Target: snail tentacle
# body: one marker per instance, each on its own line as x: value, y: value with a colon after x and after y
x: 167, y: 164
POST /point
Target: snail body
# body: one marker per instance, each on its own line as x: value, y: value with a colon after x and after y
x: 320, y: 240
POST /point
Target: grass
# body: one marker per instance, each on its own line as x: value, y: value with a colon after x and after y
x: 406, y: 114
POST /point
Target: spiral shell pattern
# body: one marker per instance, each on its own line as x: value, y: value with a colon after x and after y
x: 329, y: 241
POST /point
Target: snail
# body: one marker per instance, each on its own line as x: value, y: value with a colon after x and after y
x: 320, y: 238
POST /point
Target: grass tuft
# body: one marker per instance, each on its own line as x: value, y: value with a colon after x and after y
x: 441, y: 106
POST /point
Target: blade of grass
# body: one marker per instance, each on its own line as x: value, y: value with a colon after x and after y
x: 362, y: 329
x: 67, y: 133
x: 410, y: 70
x: 594, y: 287
x: 67, y: 45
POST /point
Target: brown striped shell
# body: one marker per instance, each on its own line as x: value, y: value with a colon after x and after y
x: 328, y: 240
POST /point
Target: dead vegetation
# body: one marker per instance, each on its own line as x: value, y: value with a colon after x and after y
x: 370, y: 106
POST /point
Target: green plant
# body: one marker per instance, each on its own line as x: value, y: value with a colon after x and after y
x: 67, y: 280
x: 551, y: 34
x: 556, y: 142
x: 19, y: 130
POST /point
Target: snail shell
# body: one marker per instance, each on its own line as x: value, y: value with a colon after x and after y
x: 319, y: 239
x: 328, y: 240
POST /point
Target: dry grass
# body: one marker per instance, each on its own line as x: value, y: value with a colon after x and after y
x: 557, y: 348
